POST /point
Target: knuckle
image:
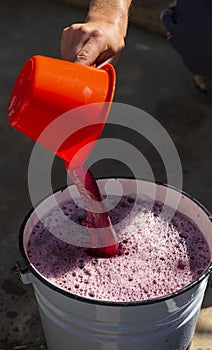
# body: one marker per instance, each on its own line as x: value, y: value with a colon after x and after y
x: 72, y: 28
x: 97, y: 33
x: 85, y: 30
x: 83, y: 55
x: 65, y: 29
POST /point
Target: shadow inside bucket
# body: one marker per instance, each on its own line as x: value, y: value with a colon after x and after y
x: 193, y: 243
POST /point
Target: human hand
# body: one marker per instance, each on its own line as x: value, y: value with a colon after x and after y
x: 92, y: 42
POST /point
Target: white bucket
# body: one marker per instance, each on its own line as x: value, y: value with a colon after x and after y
x: 164, y: 323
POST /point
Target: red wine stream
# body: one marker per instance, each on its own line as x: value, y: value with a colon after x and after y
x: 97, y: 221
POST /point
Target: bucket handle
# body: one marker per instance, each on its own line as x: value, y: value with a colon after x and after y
x: 25, y: 274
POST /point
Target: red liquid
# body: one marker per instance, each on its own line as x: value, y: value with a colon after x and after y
x: 96, y: 215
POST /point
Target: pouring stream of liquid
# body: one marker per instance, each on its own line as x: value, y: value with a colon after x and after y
x: 97, y: 221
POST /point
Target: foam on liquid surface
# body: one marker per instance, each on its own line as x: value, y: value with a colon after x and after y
x: 155, y: 257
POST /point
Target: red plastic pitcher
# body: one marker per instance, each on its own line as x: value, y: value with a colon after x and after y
x: 44, y: 105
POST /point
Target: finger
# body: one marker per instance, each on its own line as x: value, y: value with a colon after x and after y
x: 167, y: 17
x: 90, y: 51
x: 80, y: 39
x: 65, y: 43
x: 109, y: 56
x: 73, y: 39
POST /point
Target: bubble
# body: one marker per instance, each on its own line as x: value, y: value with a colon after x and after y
x: 87, y: 272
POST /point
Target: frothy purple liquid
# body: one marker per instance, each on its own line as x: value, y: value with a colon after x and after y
x: 155, y: 257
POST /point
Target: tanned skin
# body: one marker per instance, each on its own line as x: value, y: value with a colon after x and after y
x: 101, y: 39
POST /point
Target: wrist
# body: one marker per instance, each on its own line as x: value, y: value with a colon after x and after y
x: 113, y: 13
x: 120, y: 24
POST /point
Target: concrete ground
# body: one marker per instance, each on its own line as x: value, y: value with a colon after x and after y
x: 151, y: 77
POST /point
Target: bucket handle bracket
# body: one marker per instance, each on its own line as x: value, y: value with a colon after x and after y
x: 24, y: 272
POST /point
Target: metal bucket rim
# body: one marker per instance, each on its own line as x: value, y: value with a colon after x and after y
x: 186, y: 288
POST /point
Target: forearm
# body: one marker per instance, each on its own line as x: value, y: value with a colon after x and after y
x: 111, y: 11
